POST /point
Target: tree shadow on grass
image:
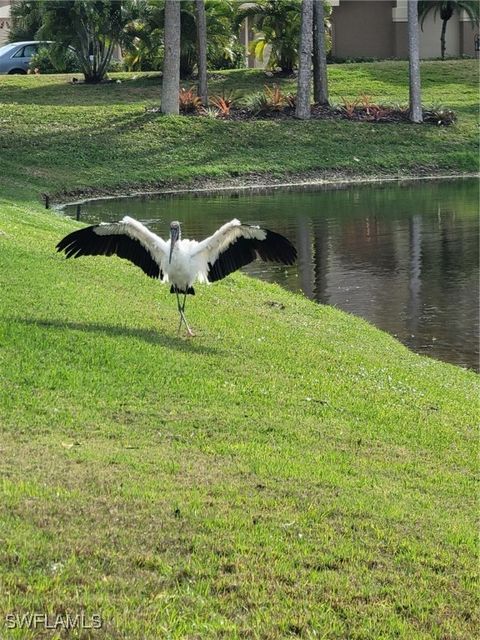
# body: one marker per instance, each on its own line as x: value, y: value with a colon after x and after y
x: 64, y: 94
x: 150, y: 336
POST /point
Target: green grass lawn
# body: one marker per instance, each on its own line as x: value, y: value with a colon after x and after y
x: 290, y: 472
x: 70, y: 138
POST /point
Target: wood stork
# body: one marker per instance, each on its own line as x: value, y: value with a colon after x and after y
x: 180, y: 262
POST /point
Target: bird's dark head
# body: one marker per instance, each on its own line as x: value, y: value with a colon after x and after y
x: 175, y: 234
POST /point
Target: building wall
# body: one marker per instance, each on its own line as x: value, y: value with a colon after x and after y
x: 378, y: 29
x: 429, y: 34
x: 468, y: 31
x: 430, y: 38
x: 4, y: 21
x: 363, y: 29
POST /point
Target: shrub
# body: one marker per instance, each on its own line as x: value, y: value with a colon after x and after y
x: 209, y: 112
x: 230, y: 57
x: 115, y: 65
x: 54, y: 59
x: 188, y: 100
x: 270, y: 100
x: 144, y: 52
x: 352, y: 60
x: 440, y: 116
x: 256, y: 102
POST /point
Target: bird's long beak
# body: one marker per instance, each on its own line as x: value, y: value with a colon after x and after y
x: 173, y: 240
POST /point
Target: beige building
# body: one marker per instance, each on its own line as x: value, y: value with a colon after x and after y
x: 378, y: 29
x: 363, y: 29
x: 4, y: 21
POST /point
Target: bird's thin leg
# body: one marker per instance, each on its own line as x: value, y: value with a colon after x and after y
x: 182, y: 313
x: 181, y: 309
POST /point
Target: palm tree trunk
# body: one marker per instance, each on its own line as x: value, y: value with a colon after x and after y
x: 285, y: 61
x: 202, y: 51
x: 82, y: 51
x: 107, y: 56
x: 442, y: 38
x: 302, y: 110
x: 414, y: 62
x: 171, y: 62
x: 320, y: 80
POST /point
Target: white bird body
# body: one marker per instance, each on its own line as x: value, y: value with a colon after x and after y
x: 180, y: 262
x: 185, y: 268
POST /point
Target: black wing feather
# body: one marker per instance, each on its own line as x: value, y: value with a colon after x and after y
x: 85, y: 242
x: 274, y: 248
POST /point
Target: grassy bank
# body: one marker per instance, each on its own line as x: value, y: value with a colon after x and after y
x: 290, y: 472
x: 76, y: 138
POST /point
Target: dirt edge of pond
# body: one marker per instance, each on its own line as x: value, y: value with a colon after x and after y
x: 248, y: 183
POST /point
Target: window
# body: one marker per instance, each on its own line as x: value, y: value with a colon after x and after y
x: 27, y: 51
x: 30, y: 50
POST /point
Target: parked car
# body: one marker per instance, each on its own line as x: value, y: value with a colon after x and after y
x: 15, y: 57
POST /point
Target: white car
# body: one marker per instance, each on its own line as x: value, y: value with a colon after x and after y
x: 15, y: 57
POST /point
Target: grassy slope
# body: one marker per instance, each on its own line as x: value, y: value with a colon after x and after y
x: 72, y: 137
x: 291, y: 470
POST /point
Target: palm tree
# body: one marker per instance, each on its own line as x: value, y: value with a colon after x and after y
x: 171, y: 62
x: 27, y: 17
x: 414, y: 62
x: 320, y: 80
x: 220, y: 39
x: 447, y: 8
x: 277, y: 23
x: 302, y: 109
x: 93, y: 29
x: 222, y: 46
x: 202, y: 51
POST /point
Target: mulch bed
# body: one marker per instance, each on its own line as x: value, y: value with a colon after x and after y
x: 321, y: 112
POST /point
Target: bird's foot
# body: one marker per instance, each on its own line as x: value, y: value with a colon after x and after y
x: 183, y: 320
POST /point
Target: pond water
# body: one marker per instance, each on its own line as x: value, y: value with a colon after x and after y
x: 403, y: 256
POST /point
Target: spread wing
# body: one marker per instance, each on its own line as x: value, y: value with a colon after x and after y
x: 235, y: 245
x: 127, y: 239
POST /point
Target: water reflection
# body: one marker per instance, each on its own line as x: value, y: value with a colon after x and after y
x: 405, y: 257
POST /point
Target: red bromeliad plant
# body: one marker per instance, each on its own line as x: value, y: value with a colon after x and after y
x: 291, y: 100
x: 349, y: 107
x: 367, y: 103
x: 275, y: 99
x: 378, y: 112
x: 223, y: 103
x: 189, y: 101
